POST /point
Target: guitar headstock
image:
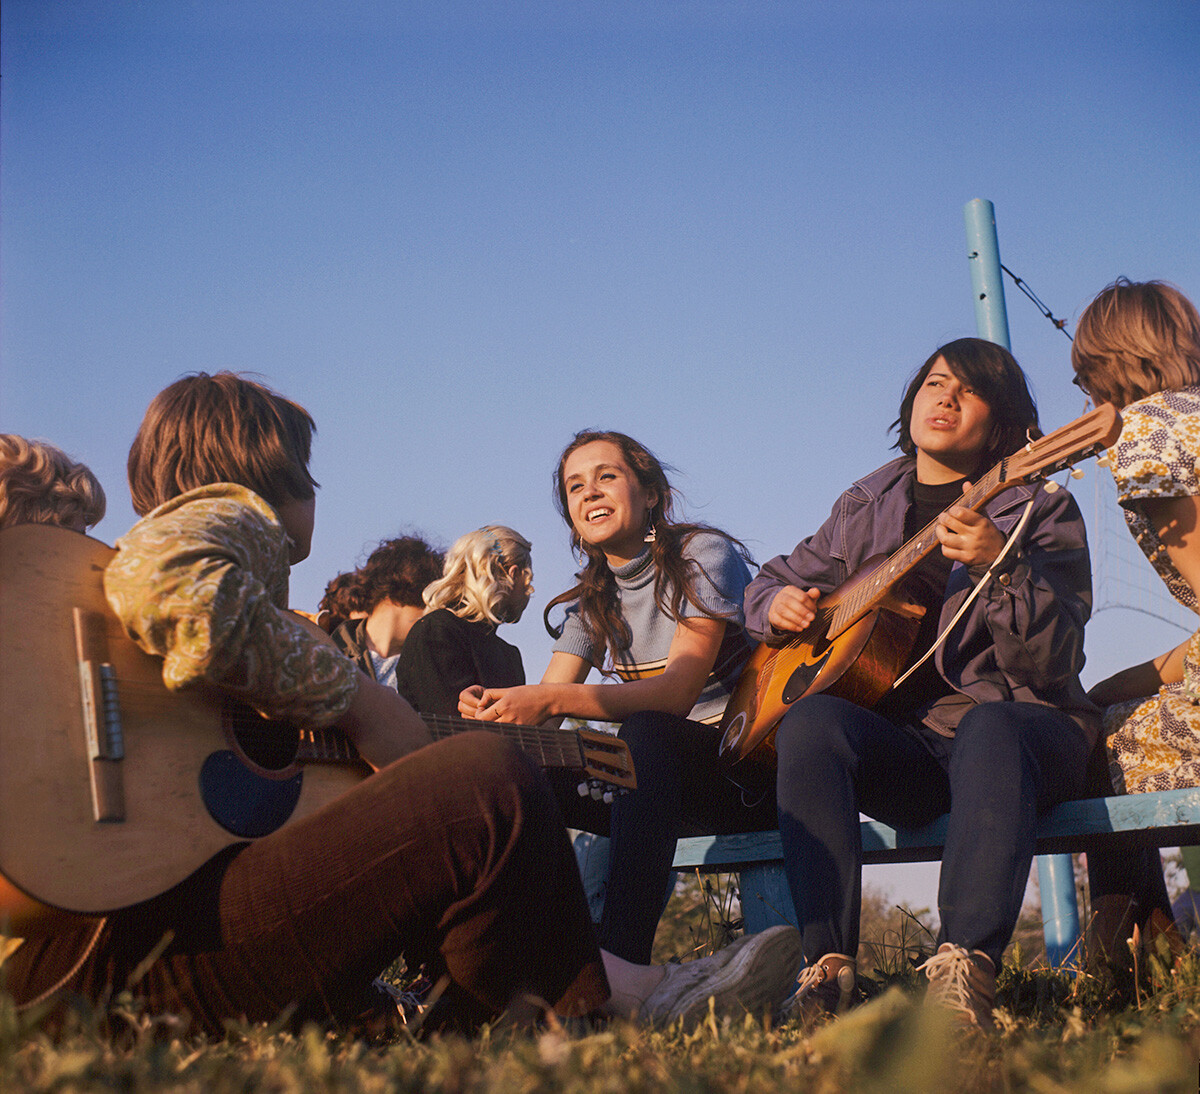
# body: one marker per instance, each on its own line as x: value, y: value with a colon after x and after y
x: 1057, y: 451
x: 606, y: 759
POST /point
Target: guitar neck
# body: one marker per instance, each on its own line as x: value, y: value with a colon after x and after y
x: 867, y: 594
x: 548, y: 747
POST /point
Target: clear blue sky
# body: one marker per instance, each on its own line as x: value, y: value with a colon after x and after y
x: 458, y: 232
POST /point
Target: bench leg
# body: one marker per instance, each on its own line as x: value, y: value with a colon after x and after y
x: 766, y: 898
x: 1060, y: 911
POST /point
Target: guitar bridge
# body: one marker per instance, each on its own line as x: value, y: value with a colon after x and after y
x: 101, y: 718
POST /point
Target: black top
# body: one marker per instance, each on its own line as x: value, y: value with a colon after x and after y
x: 444, y: 654
x: 927, y: 585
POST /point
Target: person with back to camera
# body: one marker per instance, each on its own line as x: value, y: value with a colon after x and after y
x: 658, y: 605
x: 453, y: 855
x: 1137, y: 347
x: 994, y: 729
x: 487, y: 580
x: 388, y: 588
x: 41, y: 484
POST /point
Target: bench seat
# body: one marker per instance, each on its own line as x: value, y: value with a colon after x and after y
x: 1164, y: 819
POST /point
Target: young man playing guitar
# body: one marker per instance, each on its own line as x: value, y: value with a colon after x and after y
x: 453, y: 854
x: 994, y: 728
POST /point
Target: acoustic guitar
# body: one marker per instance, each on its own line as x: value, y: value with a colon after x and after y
x: 113, y: 789
x: 864, y: 630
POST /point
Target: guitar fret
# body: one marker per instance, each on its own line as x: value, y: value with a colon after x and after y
x: 866, y: 595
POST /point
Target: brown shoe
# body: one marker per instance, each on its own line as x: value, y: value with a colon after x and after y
x: 824, y: 987
x: 962, y: 982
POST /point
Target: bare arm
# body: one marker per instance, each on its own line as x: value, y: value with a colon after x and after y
x: 562, y: 691
x: 381, y: 724
x: 1176, y: 521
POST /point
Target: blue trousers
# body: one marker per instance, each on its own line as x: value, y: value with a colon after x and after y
x: 1008, y: 763
x: 682, y: 790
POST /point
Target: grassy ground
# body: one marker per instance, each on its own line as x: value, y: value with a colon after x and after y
x: 1057, y: 1034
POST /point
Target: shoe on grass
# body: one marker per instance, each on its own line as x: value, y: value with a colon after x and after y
x: 962, y: 982
x: 750, y: 976
x: 824, y: 987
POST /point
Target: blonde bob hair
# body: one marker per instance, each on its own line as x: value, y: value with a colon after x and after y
x: 41, y: 484
x: 1136, y: 339
x: 477, y: 576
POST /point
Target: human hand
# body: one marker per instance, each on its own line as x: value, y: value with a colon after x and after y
x: 468, y: 700
x: 793, y: 608
x: 967, y: 536
x: 527, y: 705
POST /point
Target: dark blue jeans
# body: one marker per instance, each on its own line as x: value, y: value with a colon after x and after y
x: 1008, y: 763
x: 681, y: 791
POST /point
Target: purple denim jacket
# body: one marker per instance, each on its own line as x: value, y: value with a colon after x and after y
x: 1022, y: 638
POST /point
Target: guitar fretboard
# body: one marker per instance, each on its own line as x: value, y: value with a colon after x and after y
x: 866, y: 595
x: 549, y: 747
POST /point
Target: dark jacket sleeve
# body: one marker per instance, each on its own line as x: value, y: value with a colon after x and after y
x: 813, y: 564
x: 1028, y: 622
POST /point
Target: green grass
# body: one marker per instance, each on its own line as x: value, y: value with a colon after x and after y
x: 1057, y: 1034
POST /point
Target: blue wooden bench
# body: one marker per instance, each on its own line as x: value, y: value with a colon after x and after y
x: 1167, y: 819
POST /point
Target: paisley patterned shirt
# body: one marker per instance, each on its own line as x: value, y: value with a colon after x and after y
x: 202, y: 581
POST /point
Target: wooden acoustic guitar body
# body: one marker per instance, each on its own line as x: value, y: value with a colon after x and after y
x: 86, y: 833
x: 860, y: 664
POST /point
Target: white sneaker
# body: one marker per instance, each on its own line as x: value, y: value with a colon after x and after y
x: 752, y: 975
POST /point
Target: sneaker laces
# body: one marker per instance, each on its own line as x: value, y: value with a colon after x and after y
x: 811, y: 977
x: 949, y: 973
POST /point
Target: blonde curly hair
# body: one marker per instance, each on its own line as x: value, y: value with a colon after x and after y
x: 477, y: 577
x: 41, y: 484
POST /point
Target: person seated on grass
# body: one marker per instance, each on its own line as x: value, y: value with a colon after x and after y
x: 487, y: 580
x: 41, y: 484
x: 994, y: 729
x: 1138, y: 348
x: 388, y: 587
x: 453, y: 855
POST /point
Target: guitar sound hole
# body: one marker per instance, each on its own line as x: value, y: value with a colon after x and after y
x: 268, y: 744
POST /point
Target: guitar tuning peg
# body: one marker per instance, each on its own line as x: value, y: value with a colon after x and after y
x: 582, y: 790
x: 1050, y: 486
x: 1076, y: 472
x: 596, y: 792
x: 608, y: 797
x: 1104, y: 461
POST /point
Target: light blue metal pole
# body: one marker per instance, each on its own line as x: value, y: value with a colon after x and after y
x: 987, y: 285
x: 1056, y: 873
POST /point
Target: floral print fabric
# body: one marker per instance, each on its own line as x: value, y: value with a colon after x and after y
x: 1154, y: 743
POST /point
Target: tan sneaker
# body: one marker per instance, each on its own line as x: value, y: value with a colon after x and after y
x: 824, y: 987
x: 964, y: 983
x: 750, y: 976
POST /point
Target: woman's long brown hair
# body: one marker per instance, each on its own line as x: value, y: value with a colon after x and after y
x: 596, y: 588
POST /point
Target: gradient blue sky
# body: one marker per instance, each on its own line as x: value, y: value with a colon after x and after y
x: 458, y: 232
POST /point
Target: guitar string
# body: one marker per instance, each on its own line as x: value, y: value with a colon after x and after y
x: 917, y: 547
x: 973, y: 594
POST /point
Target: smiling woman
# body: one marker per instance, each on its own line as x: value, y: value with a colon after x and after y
x: 659, y: 606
